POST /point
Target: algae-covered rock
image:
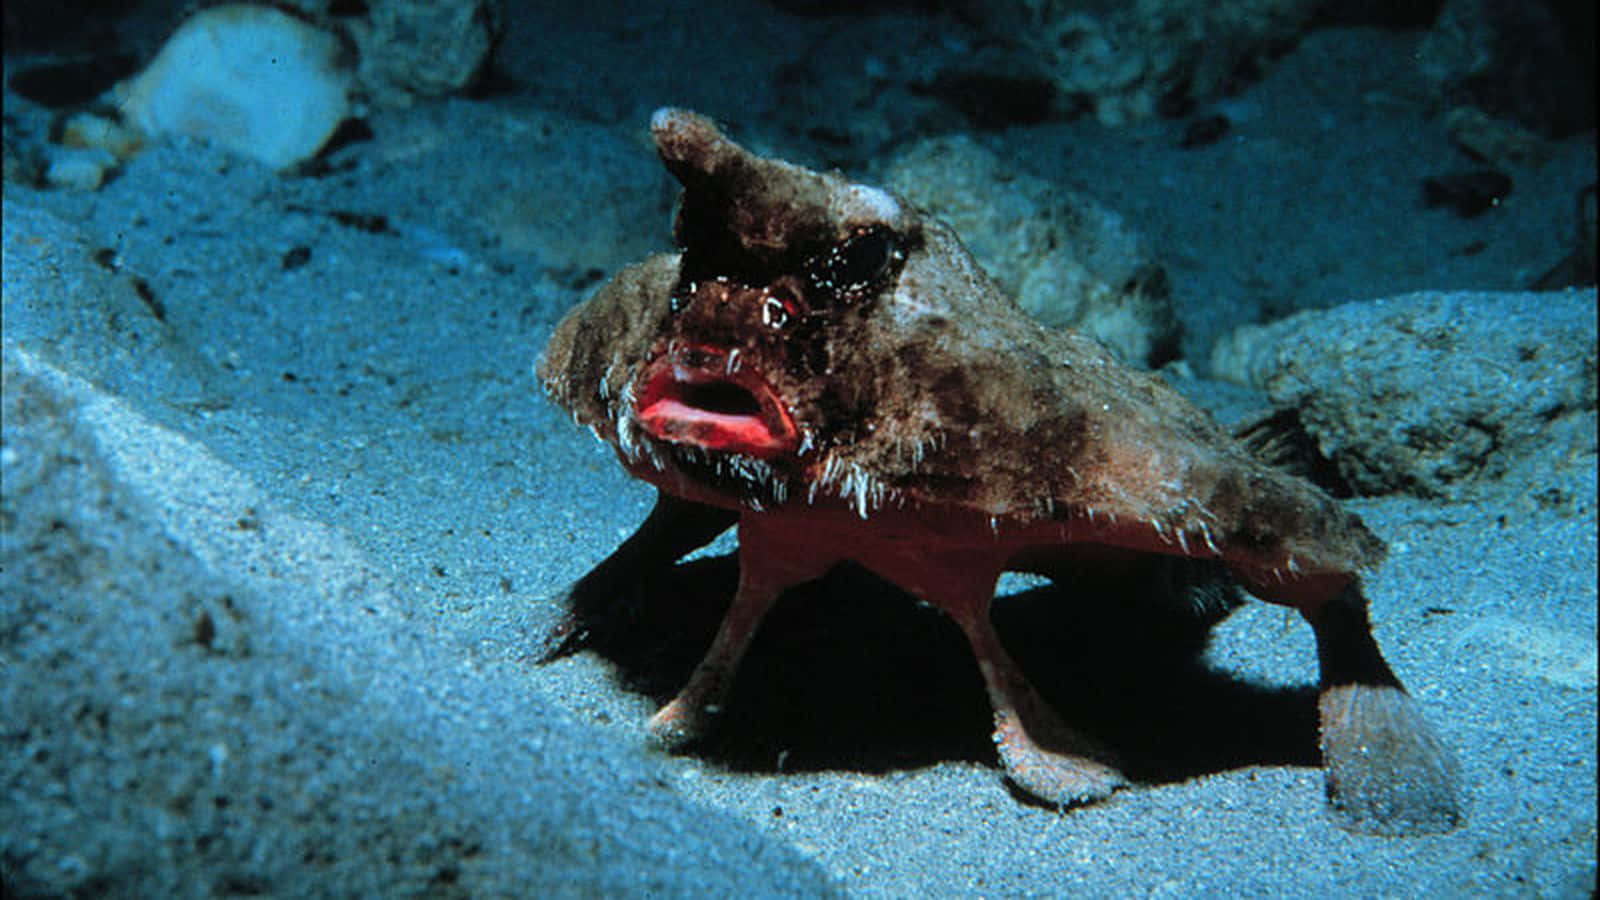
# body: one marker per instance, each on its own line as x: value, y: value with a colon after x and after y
x: 1070, y: 262
x: 1123, y: 61
x: 421, y: 48
x: 1518, y: 62
x: 1433, y: 393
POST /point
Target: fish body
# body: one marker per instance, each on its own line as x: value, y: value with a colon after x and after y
x: 827, y: 367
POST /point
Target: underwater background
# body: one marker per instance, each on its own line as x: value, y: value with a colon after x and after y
x: 284, y: 514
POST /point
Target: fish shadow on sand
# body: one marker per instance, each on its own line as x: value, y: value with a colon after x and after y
x: 850, y: 673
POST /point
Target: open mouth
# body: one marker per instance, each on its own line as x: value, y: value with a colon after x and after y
x: 713, y: 405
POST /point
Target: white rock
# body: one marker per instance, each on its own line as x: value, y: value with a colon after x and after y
x: 78, y: 169
x: 91, y: 131
x: 252, y: 79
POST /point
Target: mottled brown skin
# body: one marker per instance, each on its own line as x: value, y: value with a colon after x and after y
x: 829, y: 368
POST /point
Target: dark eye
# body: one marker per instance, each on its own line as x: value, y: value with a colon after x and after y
x: 857, y: 262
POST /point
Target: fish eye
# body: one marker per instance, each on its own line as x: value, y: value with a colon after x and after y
x: 777, y: 311
x: 857, y: 262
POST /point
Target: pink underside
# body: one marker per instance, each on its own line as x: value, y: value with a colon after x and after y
x: 898, y: 542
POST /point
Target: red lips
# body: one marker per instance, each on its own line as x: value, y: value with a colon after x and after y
x: 702, y: 397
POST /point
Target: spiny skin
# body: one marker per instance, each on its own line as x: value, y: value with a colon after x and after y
x: 830, y: 367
